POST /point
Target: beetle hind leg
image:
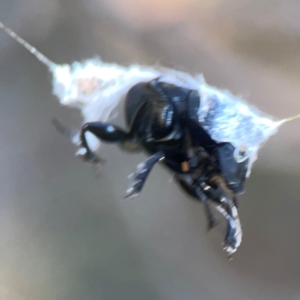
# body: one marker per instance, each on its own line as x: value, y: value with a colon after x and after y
x: 212, y: 222
x: 105, y: 132
x: 199, y: 194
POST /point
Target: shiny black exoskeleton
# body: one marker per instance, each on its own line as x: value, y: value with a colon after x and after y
x: 163, y: 120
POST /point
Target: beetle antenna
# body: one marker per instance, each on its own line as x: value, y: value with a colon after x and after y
x: 41, y: 57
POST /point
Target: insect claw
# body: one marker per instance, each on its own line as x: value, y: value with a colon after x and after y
x: 131, y: 193
x: 235, y: 202
x: 212, y: 225
x: 63, y: 129
x: 140, y: 167
x: 81, y: 152
x: 230, y: 257
x: 131, y: 176
x: 90, y: 157
x: 230, y: 247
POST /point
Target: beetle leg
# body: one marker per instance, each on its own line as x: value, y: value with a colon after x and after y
x: 235, y: 201
x: 234, y: 232
x: 103, y: 131
x: 62, y: 129
x: 71, y: 134
x: 212, y: 221
x: 207, y: 208
x: 229, y: 211
x: 197, y: 192
x: 142, y: 173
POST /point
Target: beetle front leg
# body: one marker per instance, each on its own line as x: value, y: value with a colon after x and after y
x: 105, y: 132
x: 142, y: 173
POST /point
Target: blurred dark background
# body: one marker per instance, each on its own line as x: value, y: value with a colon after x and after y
x: 66, y: 234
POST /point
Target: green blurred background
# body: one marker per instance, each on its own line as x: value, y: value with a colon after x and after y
x: 66, y: 234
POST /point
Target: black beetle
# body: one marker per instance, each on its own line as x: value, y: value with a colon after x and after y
x: 163, y: 120
x: 207, y: 137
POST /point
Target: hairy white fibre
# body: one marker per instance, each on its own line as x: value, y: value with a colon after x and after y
x: 229, y: 119
x: 97, y: 88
